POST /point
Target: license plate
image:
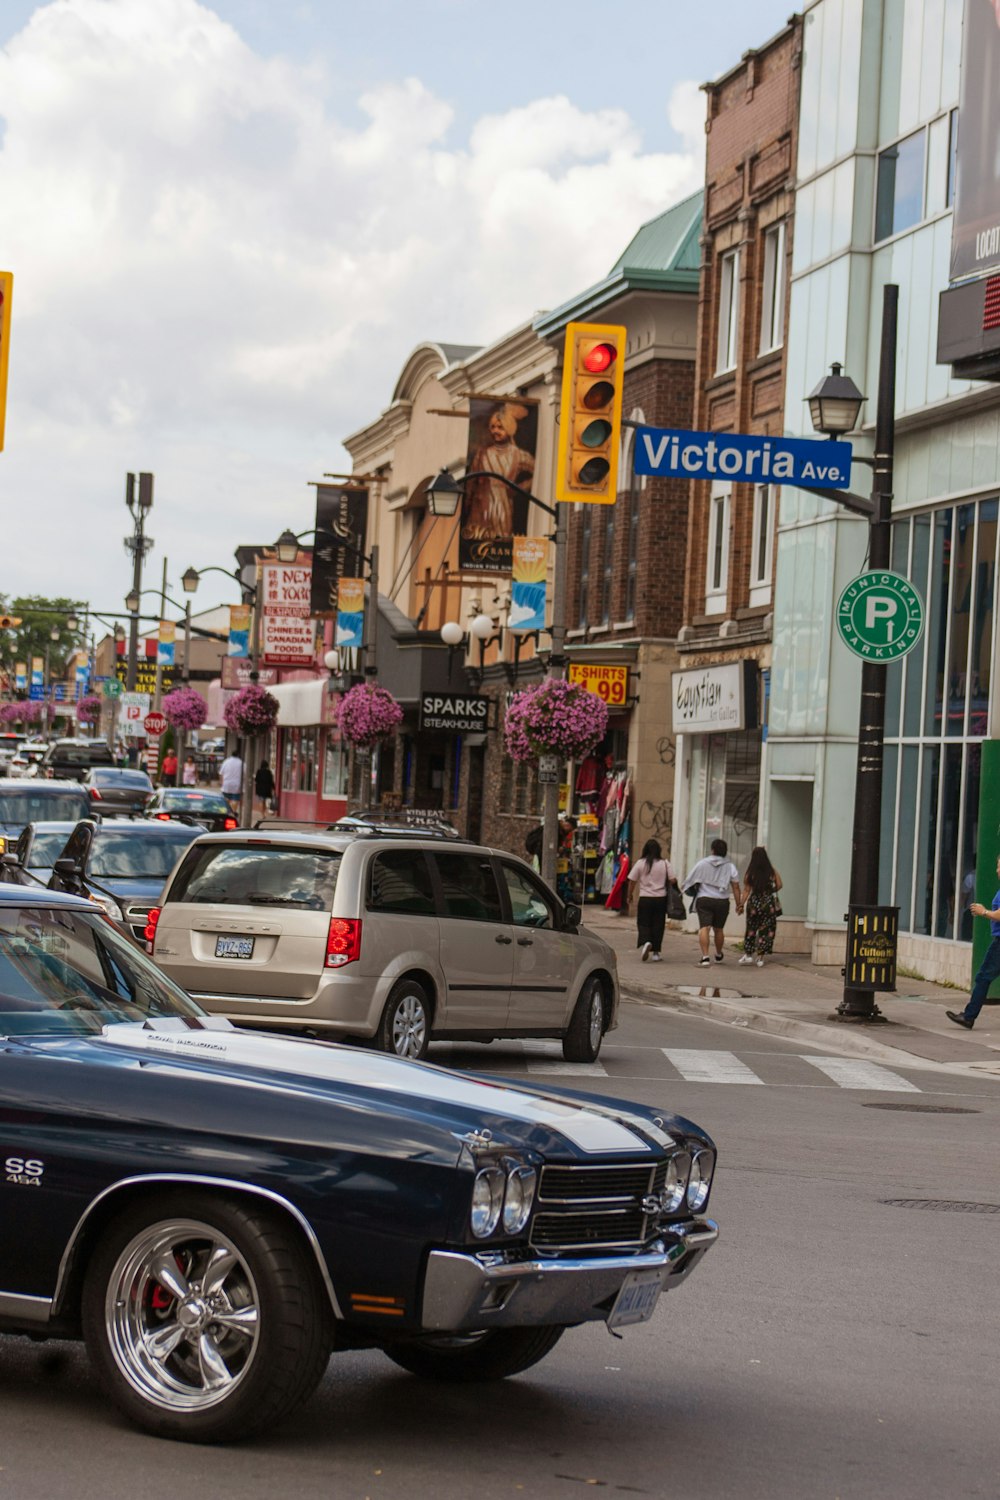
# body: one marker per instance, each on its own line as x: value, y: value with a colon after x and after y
x: 234, y: 947
x: 636, y: 1302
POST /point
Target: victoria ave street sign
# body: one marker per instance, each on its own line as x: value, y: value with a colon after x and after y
x: 880, y: 616
x: 670, y: 454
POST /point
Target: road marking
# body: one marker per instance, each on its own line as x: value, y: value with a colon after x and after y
x: 546, y: 1057
x: 851, y: 1073
x: 700, y: 1066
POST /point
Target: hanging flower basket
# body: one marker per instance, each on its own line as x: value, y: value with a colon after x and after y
x: 185, y: 708
x: 367, y: 714
x: 88, y: 710
x: 20, y: 713
x: 251, y: 711
x: 554, y: 718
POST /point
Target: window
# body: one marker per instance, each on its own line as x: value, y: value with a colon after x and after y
x: 729, y: 297
x: 772, y: 309
x: 718, y: 552
x: 233, y: 875
x: 952, y: 157
x: 764, y: 504
x: 334, y: 768
x: 401, y: 882
x: 608, y: 563
x: 469, y: 887
x: 530, y: 905
x: 586, y: 532
x: 630, y: 487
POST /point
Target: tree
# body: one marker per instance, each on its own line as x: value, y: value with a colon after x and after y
x: 38, y: 616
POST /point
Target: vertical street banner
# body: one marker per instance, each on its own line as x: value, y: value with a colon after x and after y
x: 339, y: 546
x: 165, y: 644
x: 529, y: 569
x: 503, y: 438
x: 350, y: 612
x: 6, y: 294
x: 21, y: 675
x: 82, y: 681
x: 975, y: 231
x: 37, y: 671
x: 288, y: 632
x: 239, y: 630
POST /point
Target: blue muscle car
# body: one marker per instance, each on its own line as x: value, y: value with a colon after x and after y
x: 216, y: 1211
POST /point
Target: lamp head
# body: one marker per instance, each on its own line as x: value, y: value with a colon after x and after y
x: 189, y: 580
x: 444, y: 494
x: 331, y: 661
x: 132, y: 602
x: 287, y: 546
x: 481, y: 627
x: 835, y: 404
x: 452, y: 633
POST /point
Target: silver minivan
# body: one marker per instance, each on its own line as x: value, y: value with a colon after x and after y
x: 397, y: 939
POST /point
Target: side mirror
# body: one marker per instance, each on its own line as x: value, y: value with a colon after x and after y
x: 66, y: 869
x: 572, y: 917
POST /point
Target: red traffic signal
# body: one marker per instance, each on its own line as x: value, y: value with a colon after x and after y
x: 591, y: 413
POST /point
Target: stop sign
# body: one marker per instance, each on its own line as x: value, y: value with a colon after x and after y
x: 154, y: 723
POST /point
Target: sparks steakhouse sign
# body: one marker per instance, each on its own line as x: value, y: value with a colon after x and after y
x: 454, y: 713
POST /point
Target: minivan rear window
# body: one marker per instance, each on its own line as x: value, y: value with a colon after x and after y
x: 272, y: 875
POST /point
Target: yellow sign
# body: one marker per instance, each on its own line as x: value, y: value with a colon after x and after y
x: 6, y: 293
x: 609, y: 683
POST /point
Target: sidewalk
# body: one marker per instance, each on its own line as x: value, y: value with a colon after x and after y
x: 793, y: 997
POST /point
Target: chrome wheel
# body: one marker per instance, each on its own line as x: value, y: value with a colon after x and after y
x: 409, y: 1026
x: 596, y: 1018
x: 182, y: 1315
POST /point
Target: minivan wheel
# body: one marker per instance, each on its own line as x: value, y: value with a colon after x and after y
x: 406, y: 1021
x: 585, y: 1033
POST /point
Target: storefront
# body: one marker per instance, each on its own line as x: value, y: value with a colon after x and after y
x: 310, y: 759
x: 715, y: 715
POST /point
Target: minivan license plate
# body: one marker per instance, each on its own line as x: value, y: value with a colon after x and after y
x: 234, y: 947
x: 636, y: 1302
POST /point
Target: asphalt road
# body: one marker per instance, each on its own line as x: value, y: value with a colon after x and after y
x: 833, y: 1345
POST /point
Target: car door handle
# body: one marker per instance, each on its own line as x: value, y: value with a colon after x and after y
x: 525, y: 942
x: 501, y: 939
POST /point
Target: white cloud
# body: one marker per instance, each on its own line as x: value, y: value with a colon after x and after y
x: 219, y: 272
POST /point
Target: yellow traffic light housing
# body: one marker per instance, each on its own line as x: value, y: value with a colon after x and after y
x: 9, y: 622
x: 590, y: 419
x: 6, y: 292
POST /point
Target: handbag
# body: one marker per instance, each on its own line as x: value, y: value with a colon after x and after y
x: 676, y: 910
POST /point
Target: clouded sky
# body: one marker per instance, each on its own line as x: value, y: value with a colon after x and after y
x: 229, y: 224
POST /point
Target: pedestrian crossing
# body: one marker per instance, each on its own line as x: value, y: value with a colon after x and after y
x: 683, y: 1065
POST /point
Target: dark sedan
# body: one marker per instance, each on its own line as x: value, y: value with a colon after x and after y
x: 114, y: 791
x: 123, y: 866
x: 216, y: 1210
x: 192, y: 805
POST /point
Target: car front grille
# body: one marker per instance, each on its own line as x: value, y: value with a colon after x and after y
x: 588, y: 1208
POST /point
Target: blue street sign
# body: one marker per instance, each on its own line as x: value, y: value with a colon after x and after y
x: 667, y: 453
x: 36, y: 692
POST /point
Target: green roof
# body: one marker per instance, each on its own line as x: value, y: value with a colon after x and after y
x: 664, y: 256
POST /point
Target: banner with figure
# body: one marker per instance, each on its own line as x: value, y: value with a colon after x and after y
x: 239, y: 630
x: 350, y: 612
x: 503, y: 437
x: 339, y: 547
x: 165, y: 644
x: 529, y: 570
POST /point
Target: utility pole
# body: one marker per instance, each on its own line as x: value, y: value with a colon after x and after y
x: 138, y: 544
x: 250, y: 741
x: 557, y: 667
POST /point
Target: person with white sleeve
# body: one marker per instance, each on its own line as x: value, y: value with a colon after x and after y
x: 711, y: 881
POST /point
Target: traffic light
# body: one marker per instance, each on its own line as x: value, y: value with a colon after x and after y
x: 590, y: 420
x: 9, y: 622
x: 6, y: 292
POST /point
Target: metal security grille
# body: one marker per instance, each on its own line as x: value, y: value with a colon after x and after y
x: 586, y: 1208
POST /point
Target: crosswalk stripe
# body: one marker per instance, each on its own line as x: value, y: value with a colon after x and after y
x: 699, y: 1066
x: 546, y: 1057
x: 852, y: 1073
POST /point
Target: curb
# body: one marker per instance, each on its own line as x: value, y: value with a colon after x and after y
x: 844, y: 1039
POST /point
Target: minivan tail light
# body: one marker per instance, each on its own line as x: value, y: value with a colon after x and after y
x: 162, y: 817
x: 343, y: 942
x: 95, y: 793
x: 149, y: 931
x: 230, y: 824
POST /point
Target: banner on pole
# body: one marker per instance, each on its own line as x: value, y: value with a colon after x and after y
x: 350, y: 612
x: 529, y: 567
x: 239, y: 630
x: 165, y: 644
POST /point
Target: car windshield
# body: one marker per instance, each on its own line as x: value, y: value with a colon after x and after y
x: 135, y: 854
x: 46, y: 849
x: 263, y: 875
x: 209, y: 802
x: 110, y: 778
x: 39, y: 806
x: 63, y: 970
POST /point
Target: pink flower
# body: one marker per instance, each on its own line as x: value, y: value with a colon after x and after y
x: 367, y: 713
x: 554, y: 718
x: 185, y: 708
x: 88, y: 710
x: 251, y: 711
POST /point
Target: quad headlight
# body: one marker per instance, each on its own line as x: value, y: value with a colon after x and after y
x: 503, y: 1192
x: 675, y: 1186
x: 700, y: 1181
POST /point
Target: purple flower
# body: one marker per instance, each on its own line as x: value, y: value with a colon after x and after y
x: 367, y: 713
x: 251, y: 711
x: 185, y: 709
x: 554, y: 718
x: 88, y: 710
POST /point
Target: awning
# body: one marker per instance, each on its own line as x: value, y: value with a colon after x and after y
x: 301, y: 702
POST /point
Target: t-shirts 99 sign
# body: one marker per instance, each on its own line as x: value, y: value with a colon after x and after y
x: 609, y: 683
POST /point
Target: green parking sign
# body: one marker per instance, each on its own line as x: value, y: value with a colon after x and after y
x: 880, y: 616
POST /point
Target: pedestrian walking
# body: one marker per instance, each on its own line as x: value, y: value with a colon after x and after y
x: 231, y: 780
x: 652, y: 874
x: 989, y: 969
x: 710, y: 883
x: 761, y: 885
x: 168, y: 770
x: 263, y: 784
x: 189, y: 775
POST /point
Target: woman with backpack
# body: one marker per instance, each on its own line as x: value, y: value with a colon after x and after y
x: 761, y: 885
x: 652, y: 874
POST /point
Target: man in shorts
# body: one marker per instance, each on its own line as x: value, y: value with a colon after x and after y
x: 714, y: 877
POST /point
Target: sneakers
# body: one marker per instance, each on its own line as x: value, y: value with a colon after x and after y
x: 959, y: 1020
x: 760, y: 963
x: 747, y: 958
x: 655, y: 958
x: 705, y: 961
x: 719, y: 957
x: 645, y: 951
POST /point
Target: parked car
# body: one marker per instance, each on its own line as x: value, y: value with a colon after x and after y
x: 39, y: 846
x: 72, y: 759
x: 397, y: 940
x: 112, y: 790
x: 122, y: 865
x: 24, y: 802
x: 216, y: 1210
x: 190, y: 804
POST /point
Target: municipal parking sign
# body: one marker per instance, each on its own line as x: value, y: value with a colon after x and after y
x: 880, y: 616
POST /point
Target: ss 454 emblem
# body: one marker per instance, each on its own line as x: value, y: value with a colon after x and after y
x: 24, y: 1171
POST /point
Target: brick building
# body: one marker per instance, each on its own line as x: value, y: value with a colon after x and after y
x: 725, y: 643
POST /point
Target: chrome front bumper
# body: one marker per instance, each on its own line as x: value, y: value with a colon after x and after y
x: 464, y: 1291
